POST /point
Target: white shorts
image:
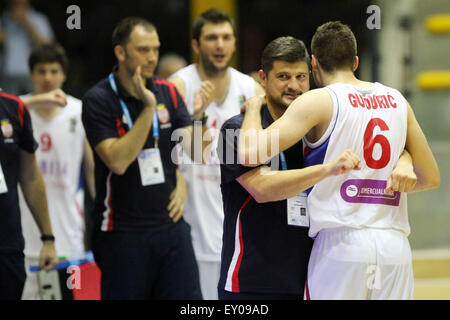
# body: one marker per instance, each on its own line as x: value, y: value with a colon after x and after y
x: 209, y: 278
x: 356, y: 264
x: 31, y: 288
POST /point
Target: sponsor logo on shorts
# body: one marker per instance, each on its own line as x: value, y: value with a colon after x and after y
x: 369, y: 191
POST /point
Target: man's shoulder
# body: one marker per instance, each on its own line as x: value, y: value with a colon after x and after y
x: 185, y: 72
x: 240, y: 75
x: 161, y: 83
x: 234, y: 122
x: 98, y: 90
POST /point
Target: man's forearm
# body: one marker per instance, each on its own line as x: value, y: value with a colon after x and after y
x: 121, y: 152
x: 33, y: 189
x: 265, y: 185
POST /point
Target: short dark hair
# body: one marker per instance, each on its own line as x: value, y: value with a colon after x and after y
x: 288, y: 49
x: 334, y: 45
x: 214, y: 16
x: 121, y: 33
x: 48, y: 53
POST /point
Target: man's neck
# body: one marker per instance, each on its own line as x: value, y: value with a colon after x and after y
x: 211, y: 76
x: 275, y: 111
x: 344, y: 77
x: 220, y: 80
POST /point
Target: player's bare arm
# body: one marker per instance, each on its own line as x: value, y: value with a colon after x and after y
x: 88, y: 167
x: 52, y: 98
x: 311, y: 110
x: 265, y: 185
x: 33, y: 189
x: 425, y: 165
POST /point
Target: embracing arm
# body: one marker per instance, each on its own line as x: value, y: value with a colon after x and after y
x: 265, y: 185
x: 119, y: 153
x: 257, y: 146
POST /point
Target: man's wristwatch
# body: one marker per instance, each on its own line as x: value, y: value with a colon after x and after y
x: 47, y: 237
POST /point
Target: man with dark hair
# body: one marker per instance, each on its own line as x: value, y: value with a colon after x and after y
x: 358, y: 219
x: 18, y: 165
x: 62, y: 152
x: 213, y: 91
x: 266, y: 246
x: 140, y: 242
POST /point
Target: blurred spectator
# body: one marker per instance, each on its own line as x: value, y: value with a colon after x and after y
x: 169, y: 64
x: 21, y: 28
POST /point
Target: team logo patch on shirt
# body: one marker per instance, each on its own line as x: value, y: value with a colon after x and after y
x: 73, y: 124
x: 163, y: 113
x: 7, y: 128
x: 242, y: 99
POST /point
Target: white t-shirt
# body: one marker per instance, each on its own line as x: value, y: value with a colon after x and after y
x: 204, y: 207
x: 59, y: 156
x: 373, y: 124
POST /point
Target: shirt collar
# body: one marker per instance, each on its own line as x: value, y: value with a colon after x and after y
x: 266, y: 117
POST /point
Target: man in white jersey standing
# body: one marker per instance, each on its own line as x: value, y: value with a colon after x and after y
x: 213, y: 92
x: 359, y: 220
x: 63, y: 151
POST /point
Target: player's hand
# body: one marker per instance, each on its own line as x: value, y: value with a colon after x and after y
x: 144, y: 94
x: 48, y: 258
x: 55, y: 97
x: 402, y: 178
x: 345, y: 162
x: 203, y: 98
x: 255, y: 102
x: 177, y: 198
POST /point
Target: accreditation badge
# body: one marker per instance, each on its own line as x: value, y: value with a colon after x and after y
x: 297, y: 211
x: 3, y: 186
x: 150, y: 167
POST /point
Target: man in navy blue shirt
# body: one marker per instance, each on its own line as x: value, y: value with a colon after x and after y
x: 266, y: 246
x: 143, y: 251
x: 18, y: 165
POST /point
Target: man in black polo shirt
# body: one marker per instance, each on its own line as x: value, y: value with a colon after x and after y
x: 266, y: 246
x: 18, y: 164
x: 129, y: 117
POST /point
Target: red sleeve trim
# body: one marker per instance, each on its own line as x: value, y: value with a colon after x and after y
x: 20, y: 105
x: 173, y: 90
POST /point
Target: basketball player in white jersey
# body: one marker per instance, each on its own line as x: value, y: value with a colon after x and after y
x: 63, y: 149
x: 359, y: 220
x: 213, y: 92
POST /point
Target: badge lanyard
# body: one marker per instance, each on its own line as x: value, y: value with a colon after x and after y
x: 155, y: 122
x: 283, y: 161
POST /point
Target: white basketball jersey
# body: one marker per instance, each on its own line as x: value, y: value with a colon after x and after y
x: 204, y: 207
x: 373, y: 124
x: 59, y: 157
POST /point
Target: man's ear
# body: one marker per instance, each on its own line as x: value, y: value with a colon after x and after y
x: 314, y: 62
x: 195, y: 46
x: 263, y: 78
x: 355, y: 63
x: 120, y: 53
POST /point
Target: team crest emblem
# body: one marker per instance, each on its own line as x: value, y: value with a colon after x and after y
x: 163, y: 113
x: 241, y: 99
x: 7, y: 128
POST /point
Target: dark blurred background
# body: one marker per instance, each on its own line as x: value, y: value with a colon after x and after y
x: 258, y: 21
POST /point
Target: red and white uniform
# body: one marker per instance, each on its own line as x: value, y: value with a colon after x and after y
x: 361, y: 249
x: 59, y: 156
x: 204, y: 207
